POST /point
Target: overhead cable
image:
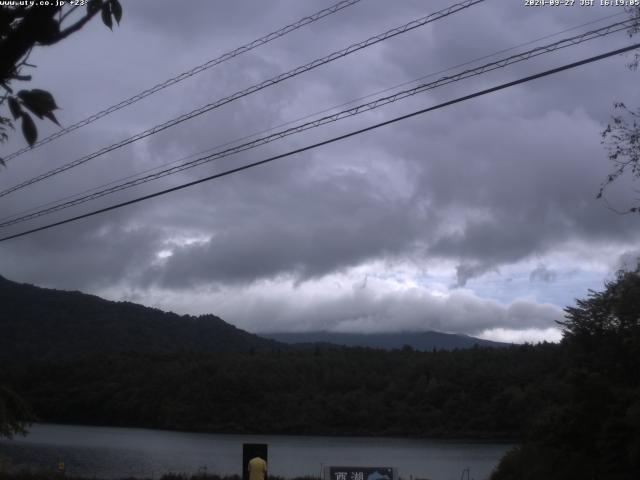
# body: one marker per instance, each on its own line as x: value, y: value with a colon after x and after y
x: 255, y: 88
x: 305, y: 117
x: 575, y: 40
x: 331, y: 140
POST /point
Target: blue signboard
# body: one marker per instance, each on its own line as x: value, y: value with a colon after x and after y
x: 361, y: 473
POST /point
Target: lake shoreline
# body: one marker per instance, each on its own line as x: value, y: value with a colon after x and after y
x: 478, y: 437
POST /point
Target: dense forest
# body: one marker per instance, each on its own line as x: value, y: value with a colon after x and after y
x: 479, y: 392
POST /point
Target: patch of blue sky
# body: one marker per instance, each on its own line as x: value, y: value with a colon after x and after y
x: 561, y: 291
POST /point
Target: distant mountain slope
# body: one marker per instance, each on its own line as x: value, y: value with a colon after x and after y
x: 388, y: 341
x: 40, y: 323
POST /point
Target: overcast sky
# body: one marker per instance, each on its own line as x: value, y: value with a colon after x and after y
x: 479, y: 218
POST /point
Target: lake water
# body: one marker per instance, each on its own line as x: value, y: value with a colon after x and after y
x: 130, y: 452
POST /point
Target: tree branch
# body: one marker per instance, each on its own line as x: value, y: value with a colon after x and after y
x: 69, y: 12
x: 76, y: 26
x: 615, y: 210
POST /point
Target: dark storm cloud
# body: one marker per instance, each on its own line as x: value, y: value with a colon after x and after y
x: 529, y: 186
x: 490, y: 242
x: 306, y: 231
x: 96, y: 255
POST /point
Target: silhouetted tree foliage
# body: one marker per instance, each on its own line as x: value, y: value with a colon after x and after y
x: 15, y: 414
x: 622, y: 135
x: 23, y: 27
x: 595, y: 431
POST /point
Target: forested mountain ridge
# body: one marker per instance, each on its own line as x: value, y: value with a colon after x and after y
x: 47, y: 324
x: 424, y: 341
x: 43, y: 323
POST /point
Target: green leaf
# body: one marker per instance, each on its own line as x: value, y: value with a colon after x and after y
x: 106, y: 15
x: 14, y: 107
x: 116, y: 9
x: 52, y: 117
x: 29, y: 129
x: 40, y: 102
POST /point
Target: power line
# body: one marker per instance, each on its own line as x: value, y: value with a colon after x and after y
x: 332, y: 140
x: 575, y: 40
x: 257, y: 87
x: 184, y: 75
x: 307, y: 116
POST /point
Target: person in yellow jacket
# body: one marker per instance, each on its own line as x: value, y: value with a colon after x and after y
x: 60, y: 469
x: 257, y: 469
